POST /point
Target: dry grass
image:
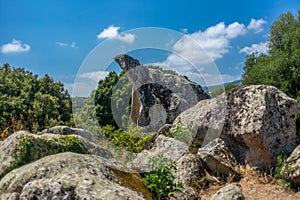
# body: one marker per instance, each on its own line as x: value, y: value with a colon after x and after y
x: 256, y: 186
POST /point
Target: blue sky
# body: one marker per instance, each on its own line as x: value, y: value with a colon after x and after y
x: 55, y: 37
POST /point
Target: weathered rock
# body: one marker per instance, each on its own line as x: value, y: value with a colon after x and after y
x: 73, y: 176
x: 229, y: 192
x: 157, y: 98
x: 189, y: 172
x: 291, y: 167
x: 257, y: 123
x: 65, y: 130
x: 218, y: 158
x: 14, y: 147
x: 169, y: 148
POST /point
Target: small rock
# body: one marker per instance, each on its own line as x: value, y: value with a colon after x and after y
x: 229, y: 192
x: 218, y: 158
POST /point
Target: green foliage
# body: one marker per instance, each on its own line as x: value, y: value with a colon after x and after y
x: 160, y: 181
x: 29, y: 103
x: 133, y: 139
x: 29, y: 149
x: 279, y: 173
x: 281, y: 68
x: 183, y: 134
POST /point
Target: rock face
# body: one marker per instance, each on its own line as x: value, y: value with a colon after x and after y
x: 189, y: 172
x: 218, y: 157
x: 291, y: 168
x: 169, y: 148
x: 157, y: 98
x: 23, y: 147
x: 73, y: 176
x: 229, y: 192
x: 257, y: 123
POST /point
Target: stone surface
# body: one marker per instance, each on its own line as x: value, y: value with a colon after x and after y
x: 218, y: 158
x: 169, y: 148
x: 65, y: 130
x: 73, y: 176
x: 291, y: 168
x: 9, y: 146
x: 157, y: 98
x: 229, y: 192
x: 257, y: 123
x: 189, y: 172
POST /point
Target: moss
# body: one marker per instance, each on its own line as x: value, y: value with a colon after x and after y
x: 6, y: 184
x: 133, y: 181
x: 30, y: 148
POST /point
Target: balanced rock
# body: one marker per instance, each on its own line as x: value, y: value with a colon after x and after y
x: 73, y: 176
x: 157, y: 98
x: 257, y: 123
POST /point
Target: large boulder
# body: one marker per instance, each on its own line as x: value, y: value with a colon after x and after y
x: 73, y: 176
x: 23, y: 147
x: 157, y: 98
x: 169, y: 148
x: 257, y: 123
x: 291, y: 167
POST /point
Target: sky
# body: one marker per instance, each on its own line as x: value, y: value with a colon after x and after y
x: 75, y: 41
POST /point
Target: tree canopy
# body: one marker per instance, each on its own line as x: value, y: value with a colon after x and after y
x: 30, y: 103
x: 281, y: 67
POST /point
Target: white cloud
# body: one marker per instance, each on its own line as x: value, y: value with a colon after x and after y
x: 262, y: 47
x: 15, y: 46
x: 94, y: 76
x: 112, y: 33
x: 256, y: 25
x: 63, y: 44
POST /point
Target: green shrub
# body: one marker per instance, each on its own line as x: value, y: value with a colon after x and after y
x: 279, y: 173
x: 133, y: 139
x: 161, y: 181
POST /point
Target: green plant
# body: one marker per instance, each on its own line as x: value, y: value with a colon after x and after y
x: 133, y: 139
x: 279, y: 172
x: 181, y: 133
x: 160, y: 181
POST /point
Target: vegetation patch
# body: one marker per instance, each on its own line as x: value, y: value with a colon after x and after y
x: 160, y: 181
x: 29, y: 148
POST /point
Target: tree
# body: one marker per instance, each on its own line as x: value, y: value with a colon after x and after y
x: 29, y: 103
x: 281, y: 67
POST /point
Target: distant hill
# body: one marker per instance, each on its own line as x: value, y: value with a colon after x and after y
x: 214, y: 87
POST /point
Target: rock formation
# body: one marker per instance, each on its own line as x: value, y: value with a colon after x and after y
x: 257, y: 123
x: 229, y: 192
x: 73, y: 176
x: 291, y: 167
x: 157, y: 98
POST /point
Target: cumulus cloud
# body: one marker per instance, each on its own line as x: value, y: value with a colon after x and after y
x: 64, y: 44
x: 15, y: 46
x: 112, y: 33
x: 261, y: 47
x: 256, y: 25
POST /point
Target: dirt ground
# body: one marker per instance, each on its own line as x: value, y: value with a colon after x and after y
x: 257, y: 187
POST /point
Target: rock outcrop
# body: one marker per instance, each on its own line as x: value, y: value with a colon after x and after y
x: 157, y: 98
x: 73, y: 176
x: 23, y: 147
x: 229, y: 192
x: 169, y: 148
x: 218, y: 158
x: 291, y: 167
x: 257, y: 123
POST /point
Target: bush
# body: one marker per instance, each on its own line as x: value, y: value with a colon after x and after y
x: 133, y: 139
x: 161, y: 181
